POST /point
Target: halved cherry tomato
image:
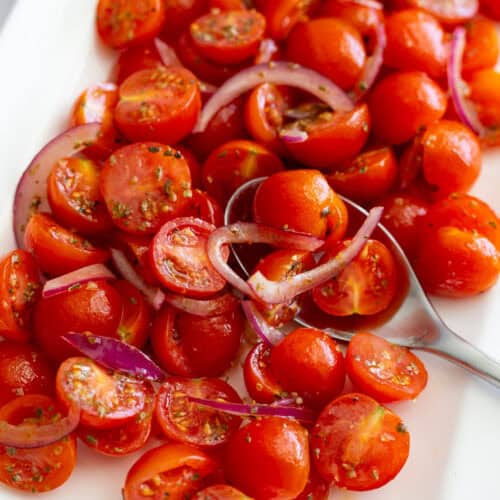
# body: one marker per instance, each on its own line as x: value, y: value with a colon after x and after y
x: 179, y: 15
x: 20, y: 289
x: 174, y: 471
x: 203, y: 206
x: 193, y: 164
x: 159, y: 104
x: 228, y: 37
x: 42, y: 469
x: 491, y: 8
x: 482, y: 47
x: 358, y: 444
x: 180, y: 261
x: 144, y: 185
x: 366, y: 286
x: 122, y: 23
x: 24, y: 369
x: 133, y: 59
x: 448, y: 11
x: 330, y: 46
x: 316, y: 487
x: 234, y: 163
x: 220, y: 491
x: 74, y: 196
x: 382, y: 370
x: 94, y: 307
x: 58, y: 250
x: 187, y: 422
x: 484, y: 93
x: 307, y: 361
x: 276, y: 450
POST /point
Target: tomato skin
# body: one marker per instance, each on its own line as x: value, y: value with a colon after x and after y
x: 205, y: 207
x: 482, y: 47
x: 275, y: 450
x: 403, y: 103
x: 123, y: 23
x: 491, y: 8
x: 484, y: 93
x: 330, y: 46
x: 57, y: 250
x: 137, y: 58
x: 455, y: 12
x: 220, y: 491
x: 179, y: 15
x: 309, y: 362
x: 382, y: 370
x: 316, y: 487
x: 193, y: 164
x: 348, y: 443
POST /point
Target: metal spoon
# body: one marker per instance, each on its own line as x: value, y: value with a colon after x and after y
x: 415, y: 323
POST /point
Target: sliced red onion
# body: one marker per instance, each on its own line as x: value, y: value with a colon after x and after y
x: 293, y: 134
x: 371, y: 4
x: 277, y: 292
x: 279, y: 73
x: 116, y: 355
x: 153, y: 294
x: 36, y: 436
x: 450, y: 9
x: 31, y: 191
x: 197, y: 307
x: 76, y: 279
x: 306, y: 111
x: 267, y: 333
x: 167, y: 54
x: 267, y: 49
x: 303, y: 415
x: 247, y: 232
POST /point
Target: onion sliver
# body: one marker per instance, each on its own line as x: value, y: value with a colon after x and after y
x: 371, y: 4
x: 277, y: 292
x: 209, y: 307
x: 267, y: 333
x: 279, y: 73
x: 167, y: 54
x: 450, y: 10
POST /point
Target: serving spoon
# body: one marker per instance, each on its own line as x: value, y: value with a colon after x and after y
x: 414, y: 322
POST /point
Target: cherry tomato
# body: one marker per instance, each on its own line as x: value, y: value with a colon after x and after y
x: 369, y: 176
x: 410, y: 163
x: 330, y: 46
x: 310, y: 363
x: 144, y: 185
x: 159, y: 104
x: 180, y: 261
x: 234, y: 163
x: 133, y: 59
x: 97, y: 104
x: 333, y: 138
x: 482, y: 47
x: 36, y: 470
x: 229, y: 4
x: 180, y: 14
x: 316, y: 487
x: 58, y: 250
x: 74, y: 196
x: 193, y: 164
x: 484, y: 93
x: 23, y: 370
x: 404, y: 103
x: 358, y: 444
x: 95, y: 307
x: 220, y: 491
x: 20, y: 289
x: 415, y: 42
x: 366, y: 286
x: 491, y: 8
x: 174, y: 471
x: 448, y: 11
x: 276, y: 451
x: 187, y: 422
x: 203, y: 206
x: 122, y: 23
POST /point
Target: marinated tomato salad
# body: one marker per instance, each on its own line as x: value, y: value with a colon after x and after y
x: 123, y: 307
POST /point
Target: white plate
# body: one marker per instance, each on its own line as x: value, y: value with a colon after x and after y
x: 48, y: 54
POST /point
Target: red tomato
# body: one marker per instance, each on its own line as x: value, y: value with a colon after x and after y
x: 159, y: 104
x: 180, y: 14
x: 276, y: 451
x: 144, y: 185
x: 97, y: 104
x: 316, y: 487
x: 404, y: 103
x: 193, y: 164
x: 174, y: 471
x: 330, y: 46
x: 20, y: 289
x: 368, y: 177
x: 203, y: 206
x: 95, y: 307
x: 180, y: 261
x: 133, y: 59
x: 36, y: 470
x: 310, y: 363
x: 234, y: 163
x: 74, y: 196
x: 416, y: 42
x: 220, y: 491
x: 194, y: 346
x: 358, y: 444
x: 484, y: 93
x: 491, y: 8
x: 58, y: 250
x: 23, y: 370
x: 482, y: 47
x: 383, y: 370
x: 122, y: 23
x: 187, y: 422
x: 228, y: 37
x: 333, y: 138
x: 366, y: 286
x: 448, y: 12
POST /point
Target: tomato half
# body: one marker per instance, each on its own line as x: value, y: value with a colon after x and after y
x: 483, y: 92
x: 179, y: 15
x: 316, y: 487
x: 482, y: 47
x: 205, y: 207
x: 220, y: 492
x: 448, y: 11
x: 133, y: 59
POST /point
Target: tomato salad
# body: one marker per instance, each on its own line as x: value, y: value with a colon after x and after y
x: 123, y: 308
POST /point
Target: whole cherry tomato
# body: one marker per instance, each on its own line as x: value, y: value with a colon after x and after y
x: 485, y: 96
x: 448, y: 12
x: 482, y: 47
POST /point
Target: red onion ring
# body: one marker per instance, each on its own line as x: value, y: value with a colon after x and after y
x: 267, y: 49
x: 75, y: 279
x: 371, y: 4
x: 450, y: 10
x: 277, y: 292
x: 31, y: 190
x: 153, y: 294
x: 267, y: 333
x: 279, y: 73
x: 211, y: 307
x: 292, y: 134
x: 167, y: 54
